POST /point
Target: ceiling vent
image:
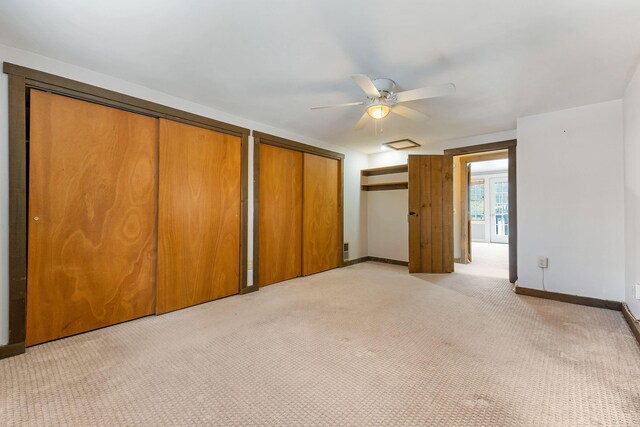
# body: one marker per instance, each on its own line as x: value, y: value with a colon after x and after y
x: 402, y: 144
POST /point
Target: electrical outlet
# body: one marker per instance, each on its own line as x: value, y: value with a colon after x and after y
x: 637, y: 289
x: 543, y: 262
x: 250, y: 264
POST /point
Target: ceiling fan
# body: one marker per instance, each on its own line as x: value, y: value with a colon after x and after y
x: 381, y: 99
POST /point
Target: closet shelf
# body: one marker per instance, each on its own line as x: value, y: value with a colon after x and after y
x: 396, y: 185
x: 386, y: 170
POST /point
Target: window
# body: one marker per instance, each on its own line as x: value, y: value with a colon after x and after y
x: 476, y: 200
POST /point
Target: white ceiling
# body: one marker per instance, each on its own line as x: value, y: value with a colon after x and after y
x: 269, y: 61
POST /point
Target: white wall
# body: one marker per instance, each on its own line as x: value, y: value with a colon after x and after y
x: 563, y: 212
x: 631, y: 107
x: 387, y: 212
x: 355, y: 231
x: 394, y: 204
x: 389, y: 238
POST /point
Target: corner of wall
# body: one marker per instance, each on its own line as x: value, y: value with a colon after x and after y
x: 631, y: 136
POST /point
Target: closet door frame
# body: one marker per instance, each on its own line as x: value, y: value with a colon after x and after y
x: 276, y: 141
x: 21, y: 81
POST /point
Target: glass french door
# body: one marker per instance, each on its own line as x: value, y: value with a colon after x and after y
x: 499, y: 210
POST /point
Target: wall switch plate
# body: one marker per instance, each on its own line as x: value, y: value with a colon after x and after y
x: 637, y: 289
x: 543, y: 262
x: 250, y: 264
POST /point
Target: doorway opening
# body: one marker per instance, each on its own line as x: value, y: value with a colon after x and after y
x: 484, y: 210
x: 488, y: 210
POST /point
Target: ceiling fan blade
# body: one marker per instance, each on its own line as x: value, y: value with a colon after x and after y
x: 409, y: 113
x: 366, y: 84
x: 363, y: 121
x: 426, y: 92
x: 348, y: 104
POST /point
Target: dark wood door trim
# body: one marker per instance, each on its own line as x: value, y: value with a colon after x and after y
x: 277, y: 141
x: 21, y: 79
x: 511, y: 146
x: 513, y: 216
x: 264, y: 138
x: 571, y: 299
x: 634, y: 324
x: 17, y: 218
x: 73, y: 88
x: 256, y: 217
x: 244, y: 214
x: 472, y: 149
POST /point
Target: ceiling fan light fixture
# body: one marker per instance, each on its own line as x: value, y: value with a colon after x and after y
x: 378, y: 110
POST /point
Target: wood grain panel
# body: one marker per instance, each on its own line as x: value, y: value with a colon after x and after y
x: 415, y: 230
x: 437, y: 219
x: 447, y: 212
x: 280, y: 240
x: 198, y: 215
x: 92, y: 213
x: 321, y: 229
x: 430, y: 214
x: 426, y: 244
x: 447, y: 216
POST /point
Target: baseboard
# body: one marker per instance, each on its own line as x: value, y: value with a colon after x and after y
x: 11, y: 350
x: 349, y: 262
x: 571, y: 299
x: 631, y: 320
x: 387, y: 261
x: 249, y: 289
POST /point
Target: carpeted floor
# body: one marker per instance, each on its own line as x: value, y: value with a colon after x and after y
x: 488, y: 259
x: 367, y: 345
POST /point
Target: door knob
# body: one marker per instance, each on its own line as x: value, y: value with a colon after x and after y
x: 413, y: 213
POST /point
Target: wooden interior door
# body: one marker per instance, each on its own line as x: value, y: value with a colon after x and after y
x: 280, y: 214
x: 430, y: 214
x: 198, y: 215
x: 321, y: 222
x: 92, y: 216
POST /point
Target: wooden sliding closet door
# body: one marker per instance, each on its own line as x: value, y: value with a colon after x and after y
x: 92, y: 216
x: 280, y: 214
x: 322, y: 226
x: 198, y: 215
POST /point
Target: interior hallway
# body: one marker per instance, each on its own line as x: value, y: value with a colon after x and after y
x: 366, y: 345
x: 488, y: 260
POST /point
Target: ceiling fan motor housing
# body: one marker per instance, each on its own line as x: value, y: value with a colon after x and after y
x: 386, y: 88
x: 384, y: 85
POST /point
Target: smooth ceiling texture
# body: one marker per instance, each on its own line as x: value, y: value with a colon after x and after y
x: 271, y: 61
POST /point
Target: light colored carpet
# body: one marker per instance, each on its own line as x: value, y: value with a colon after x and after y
x: 367, y: 345
x: 488, y: 259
